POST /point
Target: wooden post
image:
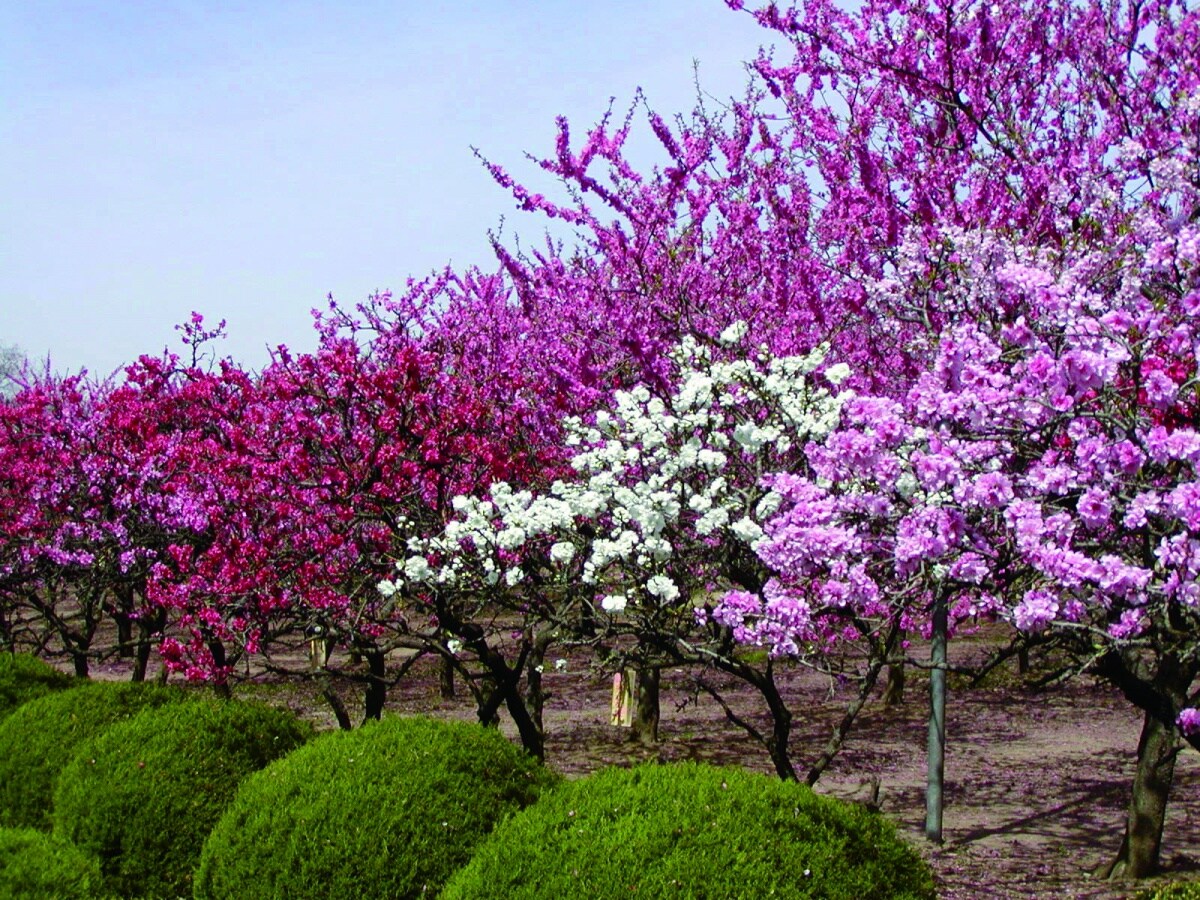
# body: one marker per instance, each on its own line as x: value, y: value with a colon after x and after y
x: 624, y: 689
x: 318, y: 648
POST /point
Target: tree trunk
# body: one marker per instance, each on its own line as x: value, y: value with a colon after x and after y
x: 1023, y: 661
x: 777, y: 742
x: 893, y: 691
x: 339, y: 708
x: 80, y: 661
x: 1157, y: 749
x: 528, y: 723
x: 376, y: 694
x: 124, y: 635
x: 220, y: 661
x: 781, y: 727
x: 141, y: 662
x: 446, y: 679
x: 838, y: 738
x: 148, y: 626
x: 507, y: 690
x: 646, y: 712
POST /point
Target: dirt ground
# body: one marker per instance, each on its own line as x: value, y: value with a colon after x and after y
x: 1036, y: 780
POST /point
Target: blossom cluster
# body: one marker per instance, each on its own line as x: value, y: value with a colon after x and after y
x: 659, y: 482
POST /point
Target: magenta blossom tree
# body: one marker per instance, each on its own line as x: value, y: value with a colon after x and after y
x: 1044, y: 471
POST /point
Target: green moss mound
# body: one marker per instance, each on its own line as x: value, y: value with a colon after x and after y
x: 40, y: 738
x: 35, y: 866
x: 24, y: 678
x: 143, y: 795
x: 390, y: 810
x: 688, y: 830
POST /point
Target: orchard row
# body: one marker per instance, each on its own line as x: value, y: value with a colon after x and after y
x: 900, y: 341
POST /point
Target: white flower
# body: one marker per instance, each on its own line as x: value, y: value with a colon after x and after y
x: 768, y: 505
x: 662, y: 587
x: 734, y: 333
x: 416, y: 568
x: 613, y: 603
x: 560, y: 665
x: 715, y: 518
x: 454, y: 645
x: 745, y: 434
x: 562, y: 552
x: 747, y: 530
x: 514, y: 577
x: 510, y: 538
x: 837, y: 373
x: 386, y: 588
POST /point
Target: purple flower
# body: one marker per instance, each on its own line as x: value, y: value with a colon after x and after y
x: 1035, y: 611
x: 989, y: 491
x: 970, y: 567
x: 1184, y: 502
x: 1189, y: 721
x: 1131, y: 624
x: 1095, y: 508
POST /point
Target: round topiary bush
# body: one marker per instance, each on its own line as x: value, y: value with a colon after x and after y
x: 389, y: 810
x: 142, y: 796
x: 34, y: 866
x: 40, y: 738
x: 1180, y: 890
x: 24, y: 677
x: 688, y: 830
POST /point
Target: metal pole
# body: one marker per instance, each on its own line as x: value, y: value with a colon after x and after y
x: 937, y: 721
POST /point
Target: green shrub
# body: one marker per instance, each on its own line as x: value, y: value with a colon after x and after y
x: 34, y: 866
x: 24, y: 677
x: 143, y: 795
x: 1181, y: 890
x: 390, y: 810
x: 40, y: 738
x: 688, y: 830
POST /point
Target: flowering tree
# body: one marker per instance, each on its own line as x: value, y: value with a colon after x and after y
x: 1043, y: 470
x: 907, y: 147
x: 663, y: 509
x: 44, y: 437
x: 1091, y: 409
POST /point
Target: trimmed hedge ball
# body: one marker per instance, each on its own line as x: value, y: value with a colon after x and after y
x: 143, y: 795
x: 389, y: 810
x: 34, y: 866
x: 40, y: 738
x: 24, y: 677
x: 1180, y: 890
x: 689, y: 830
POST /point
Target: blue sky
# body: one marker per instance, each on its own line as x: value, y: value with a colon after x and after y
x: 245, y: 159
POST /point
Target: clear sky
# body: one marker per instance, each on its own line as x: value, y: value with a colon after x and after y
x: 244, y: 159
